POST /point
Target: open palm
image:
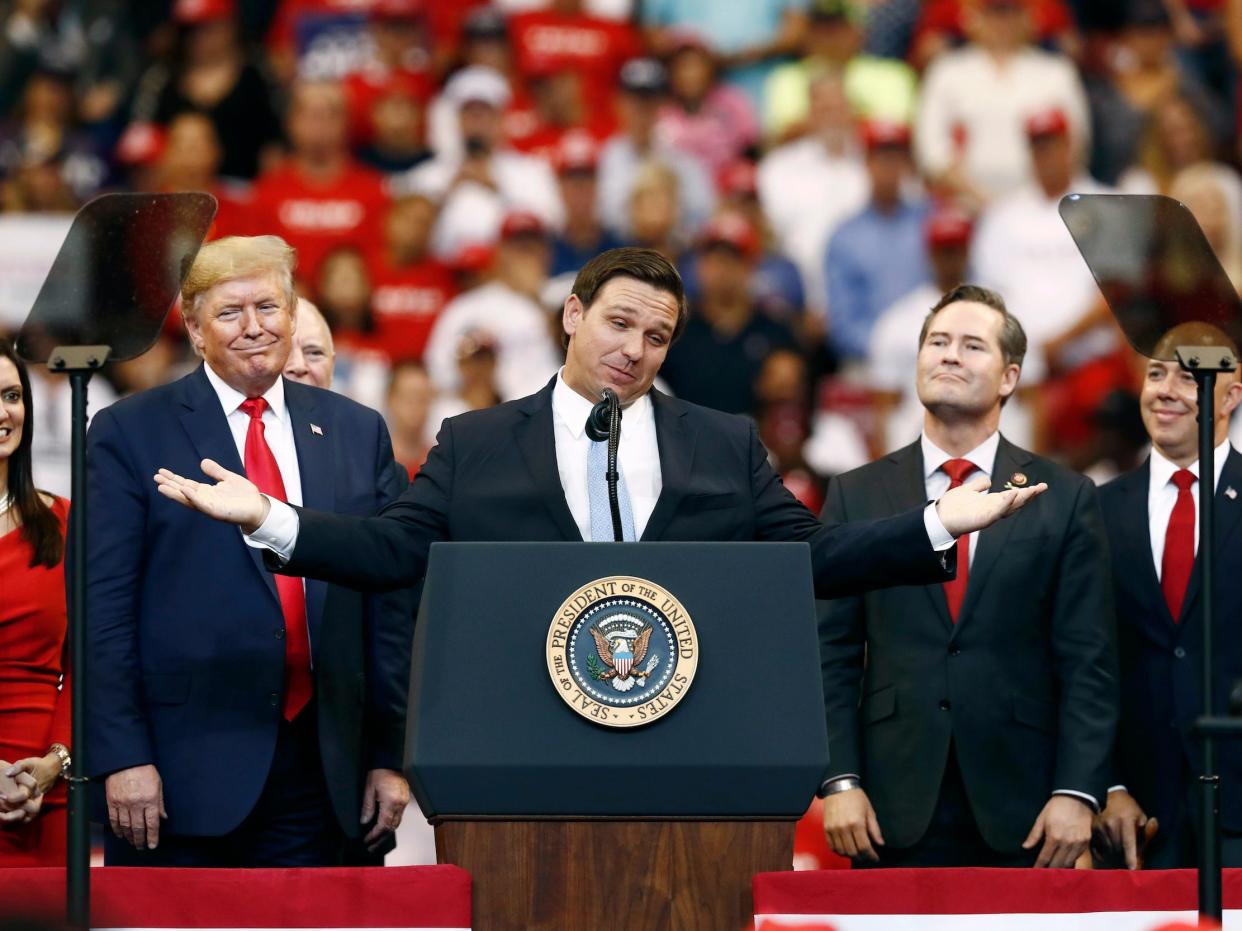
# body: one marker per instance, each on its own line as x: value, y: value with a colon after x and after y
x: 233, y: 498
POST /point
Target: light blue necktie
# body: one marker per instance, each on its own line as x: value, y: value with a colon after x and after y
x: 597, y: 487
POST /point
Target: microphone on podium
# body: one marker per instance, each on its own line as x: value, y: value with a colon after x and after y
x: 604, y: 423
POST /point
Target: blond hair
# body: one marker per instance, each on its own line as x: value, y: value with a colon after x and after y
x: 238, y: 257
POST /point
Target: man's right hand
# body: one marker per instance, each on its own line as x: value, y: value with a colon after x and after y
x: 136, y: 805
x: 1120, y: 823
x: 850, y: 825
x: 232, y: 499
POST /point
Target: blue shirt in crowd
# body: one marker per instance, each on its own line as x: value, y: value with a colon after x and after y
x: 873, y: 259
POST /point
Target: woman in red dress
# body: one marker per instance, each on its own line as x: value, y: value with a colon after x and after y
x: 34, y: 683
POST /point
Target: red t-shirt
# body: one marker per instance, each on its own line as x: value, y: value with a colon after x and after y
x: 405, y: 302
x: 594, y: 48
x: 316, y: 217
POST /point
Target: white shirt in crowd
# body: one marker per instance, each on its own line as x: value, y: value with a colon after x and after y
x: 806, y: 193
x: 1023, y: 249
x: 638, y: 456
x: 51, y: 400
x: 892, y: 363
x: 471, y: 213
x: 968, y: 100
x: 526, y: 356
x: 1162, y: 495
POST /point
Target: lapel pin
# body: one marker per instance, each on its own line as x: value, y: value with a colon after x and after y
x: 1230, y: 493
x: 316, y: 429
x: 1017, y: 480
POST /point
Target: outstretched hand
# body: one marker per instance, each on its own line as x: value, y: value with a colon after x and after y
x: 233, y: 498
x: 971, y: 507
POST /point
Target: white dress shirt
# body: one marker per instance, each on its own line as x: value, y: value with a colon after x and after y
x: 937, y: 481
x: 638, y: 455
x: 277, y: 429
x: 1162, y: 495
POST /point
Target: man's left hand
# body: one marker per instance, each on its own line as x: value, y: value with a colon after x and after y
x: 971, y: 507
x: 389, y: 793
x: 1065, y: 827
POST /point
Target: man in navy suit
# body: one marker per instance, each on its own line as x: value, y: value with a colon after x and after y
x: 527, y: 470
x: 236, y: 718
x: 1151, y: 515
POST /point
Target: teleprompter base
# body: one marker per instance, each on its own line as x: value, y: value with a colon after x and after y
x: 567, y: 875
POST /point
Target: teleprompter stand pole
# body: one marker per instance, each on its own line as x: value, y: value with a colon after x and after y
x: 79, y: 363
x: 1204, y: 363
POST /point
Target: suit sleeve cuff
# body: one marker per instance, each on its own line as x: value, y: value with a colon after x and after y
x: 279, y: 533
x: 1081, y: 796
x: 940, y: 538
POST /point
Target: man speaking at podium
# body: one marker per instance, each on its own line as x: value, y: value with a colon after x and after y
x: 528, y: 471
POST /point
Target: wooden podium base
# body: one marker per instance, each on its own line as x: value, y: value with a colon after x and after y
x: 578, y: 875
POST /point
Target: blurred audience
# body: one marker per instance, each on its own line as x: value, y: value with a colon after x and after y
x: 655, y: 210
x: 408, y: 406
x: 717, y: 359
x: 507, y: 308
x: 974, y: 100
x: 476, y: 188
x: 877, y: 255
x: 319, y: 195
x: 583, y: 236
x: 642, y: 93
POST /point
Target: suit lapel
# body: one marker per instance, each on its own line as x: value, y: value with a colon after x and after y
x: 1132, y: 549
x: 1228, y: 510
x: 907, y: 489
x: 991, y: 542
x: 315, y: 461
x: 208, y: 429
x: 676, y: 439
x: 536, y: 440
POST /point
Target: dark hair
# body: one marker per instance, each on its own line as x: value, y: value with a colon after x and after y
x: 1012, y: 336
x: 39, y: 525
x: 644, y: 265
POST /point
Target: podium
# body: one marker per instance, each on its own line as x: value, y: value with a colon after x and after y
x: 712, y: 745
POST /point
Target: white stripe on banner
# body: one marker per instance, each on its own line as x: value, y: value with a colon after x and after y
x: 1063, y: 921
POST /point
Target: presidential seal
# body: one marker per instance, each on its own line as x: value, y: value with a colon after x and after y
x: 622, y: 651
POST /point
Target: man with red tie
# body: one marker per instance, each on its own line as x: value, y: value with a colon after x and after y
x: 237, y: 718
x: 1151, y: 516
x: 969, y: 722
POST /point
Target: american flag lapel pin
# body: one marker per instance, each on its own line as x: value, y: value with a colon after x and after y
x: 316, y: 429
x: 1230, y: 493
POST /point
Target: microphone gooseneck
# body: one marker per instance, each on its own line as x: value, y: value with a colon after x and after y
x: 604, y: 423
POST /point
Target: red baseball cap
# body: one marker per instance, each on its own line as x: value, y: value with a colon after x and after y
x: 522, y: 223
x: 948, y: 227
x: 193, y: 12
x: 141, y: 144
x: 1050, y: 122
x: 885, y: 134
x: 731, y: 229
x: 473, y: 257
x: 739, y: 177
x: 577, y: 151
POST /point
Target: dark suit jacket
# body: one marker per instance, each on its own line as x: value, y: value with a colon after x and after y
x: 185, y: 629
x: 1023, y: 685
x: 493, y: 476
x: 1161, y: 671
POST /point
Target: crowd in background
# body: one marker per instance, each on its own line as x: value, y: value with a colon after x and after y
x: 819, y: 170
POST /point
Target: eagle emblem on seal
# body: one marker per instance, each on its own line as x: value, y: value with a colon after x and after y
x: 622, y: 649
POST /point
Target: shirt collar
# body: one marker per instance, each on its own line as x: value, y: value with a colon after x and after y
x: 983, y: 455
x: 1162, y: 469
x: 231, y: 399
x: 573, y: 409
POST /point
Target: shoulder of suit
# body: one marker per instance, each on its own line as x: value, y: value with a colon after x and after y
x: 142, y: 403
x: 872, y: 470
x: 339, y: 404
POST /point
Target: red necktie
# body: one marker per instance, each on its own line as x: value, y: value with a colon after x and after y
x: 955, y: 589
x: 1179, y: 544
x: 261, y: 468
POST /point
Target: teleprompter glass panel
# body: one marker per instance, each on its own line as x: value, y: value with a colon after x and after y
x: 1155, y: 268
x: 117, y: 274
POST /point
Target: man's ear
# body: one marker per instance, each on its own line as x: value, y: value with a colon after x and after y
x: 193, y: 331
x: 572, y: 315
x: 1009, y: 380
